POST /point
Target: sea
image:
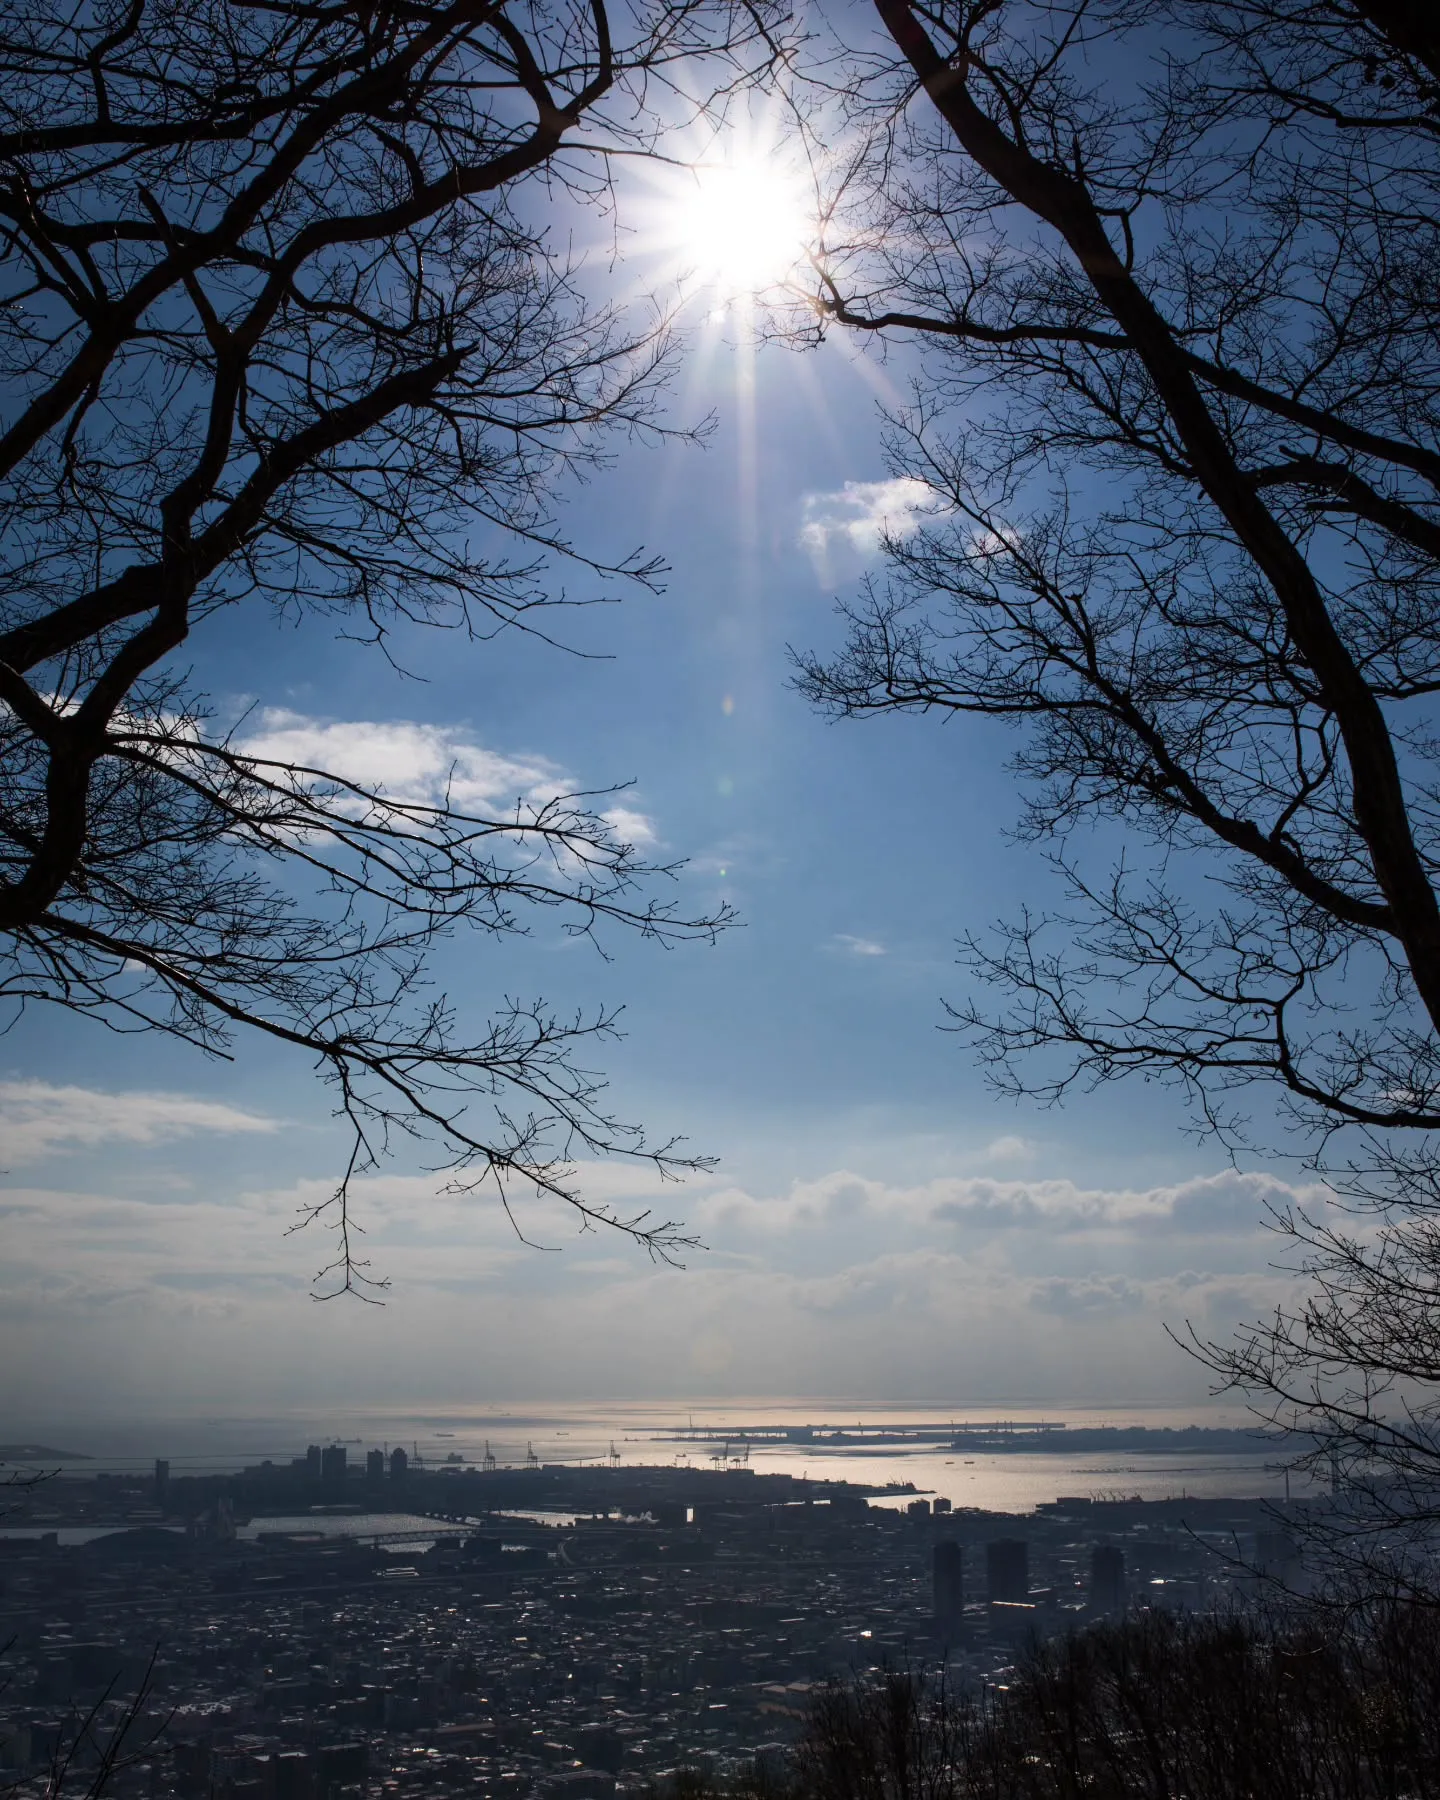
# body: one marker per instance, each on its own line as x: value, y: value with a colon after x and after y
x: 710, y: 1434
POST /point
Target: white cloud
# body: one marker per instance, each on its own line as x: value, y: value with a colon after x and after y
x: 1225, y: 1205
x: 858, y: 946
x: 101, y: 1248
x: 806, y: 1204
x: 635, y: 828
x: 1009, y: 1149
x: 37, y: 1118
x: 850, y: 524
x: 407, y: 760
x: 1220, y: 1205
x: 427, y: 765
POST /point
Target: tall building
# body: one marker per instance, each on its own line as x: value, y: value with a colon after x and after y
x: 1007, y: 1569
x: 1107, y: 1579
x: 399, y: 1463
x: 375, y: 1467
x: 312, y: 1462
x: 292, y: 1775
x: 947, y: 1571
x: 332, y: 1465
x: 162, y: 1480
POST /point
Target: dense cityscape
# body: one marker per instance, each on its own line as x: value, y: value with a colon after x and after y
x: 320, y: 1629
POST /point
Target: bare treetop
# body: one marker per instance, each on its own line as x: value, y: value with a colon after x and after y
x: 1171, y: 270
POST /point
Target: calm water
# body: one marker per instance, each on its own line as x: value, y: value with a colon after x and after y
x: 361, y: 1525
x: 668, y: 1433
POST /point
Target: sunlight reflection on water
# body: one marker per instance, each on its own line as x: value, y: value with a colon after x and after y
x: 667, y: 1433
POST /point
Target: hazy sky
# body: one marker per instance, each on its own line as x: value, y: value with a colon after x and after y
x: 880, y: 1226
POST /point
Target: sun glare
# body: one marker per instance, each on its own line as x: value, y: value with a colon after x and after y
x: 741, y: 226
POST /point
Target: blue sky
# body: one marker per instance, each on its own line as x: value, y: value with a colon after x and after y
x: 880, y: 1226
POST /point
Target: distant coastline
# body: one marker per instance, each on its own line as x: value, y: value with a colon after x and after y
x: 1001, y: 1437
x: 1145, y: 1439
x: 1001, y: 1462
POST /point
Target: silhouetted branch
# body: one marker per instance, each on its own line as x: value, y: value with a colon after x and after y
x: 283, y: 327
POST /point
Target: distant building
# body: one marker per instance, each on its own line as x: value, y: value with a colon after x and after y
x: 1007, y: 1571
x: 292, y: 1775
x: 919, y: 1509
x: 312, y: 1462
x: 332, y: 1465
x: 162, y: 1480
x: 375, y: 1467
x: 1107, y: 1579
x: 1277, y: 1558
x: 399, y: 1464
x: 948, y: 1581
x: 942, y: 1506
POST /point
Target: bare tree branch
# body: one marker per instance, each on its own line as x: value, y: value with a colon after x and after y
x: 282, y: 326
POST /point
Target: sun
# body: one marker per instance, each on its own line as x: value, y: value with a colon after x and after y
x: 739, y: 225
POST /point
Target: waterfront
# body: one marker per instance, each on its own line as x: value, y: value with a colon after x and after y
x: 708, y: 1435
x: 319, y: 1628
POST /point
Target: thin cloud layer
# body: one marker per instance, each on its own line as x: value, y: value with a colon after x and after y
x: 842, y: 1283
x: 199, y: 1306
x: 1009, y: 1149
x: 37, y: 1119
x: 858, y: 946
